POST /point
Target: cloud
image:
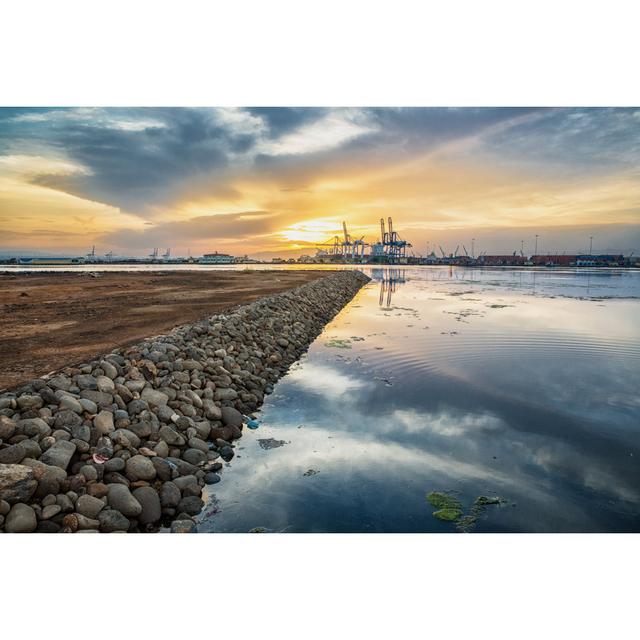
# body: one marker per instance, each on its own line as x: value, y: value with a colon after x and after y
x: 200, y: 231
x: 433, y: 169
x: 331, y: 131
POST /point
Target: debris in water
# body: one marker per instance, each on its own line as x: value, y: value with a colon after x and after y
x: 387, y: 382
x: 482, y: 501
x: 253, y: 424
x: 258, y: 530
x: 271, y: 443
x: 311, y: 472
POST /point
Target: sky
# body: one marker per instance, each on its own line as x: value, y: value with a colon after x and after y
x: 278, y: 182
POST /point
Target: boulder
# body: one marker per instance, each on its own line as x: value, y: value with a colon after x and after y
x: 140, y: 468
x: 21, y: 519
x: 153, y: 397
x: 120, y: 498
x: 150, y: 501
x: 17, y: 483
x: 59, y: 455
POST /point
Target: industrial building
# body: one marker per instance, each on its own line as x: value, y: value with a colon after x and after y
x: 501, y: 261
x: 217, y: 258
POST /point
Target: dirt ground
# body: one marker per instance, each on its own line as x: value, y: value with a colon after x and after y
x: 50, y: 320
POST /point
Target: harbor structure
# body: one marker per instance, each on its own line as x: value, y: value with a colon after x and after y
x: 217, y: 258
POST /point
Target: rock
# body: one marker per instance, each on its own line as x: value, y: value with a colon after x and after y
x: 71, y: 404
x: 33, y: 427
x: 109, y: 369
x: 89, y: 506
x: 125, y: 438
x: 223, y: 433
x: 184, y: 481
x: 60, y: 382
x: 48, y: 500
x: 153, y: 397
x: 97, y: 489
x: 183, y: 526
x: 211, y: 478
x: 115, y: 464
x: 162, y: 449
x: 225, y: 394
x: 163, y: 470
x: 196, y: 443
x: 103, y: 422
x: 136, y: 407
x: 13, y: 454
x: 139, y: 467
x: 170, y: 436
x: 21, y: 519
x: 194, y: 456
x: 211, y: 410
x: 17, y: 483
x: 183, y: 467
x: 170, y: 495
x: 81, y: 432
x: 150, y: 502
x: 49, y: 511
x: 29, y: 403
x: 7, y: 427
x: 88, y: 405
x: 47, y: 526
x: 64, y: 502
x: 99, y: 397
x: 226, y: 453
x: 78, y: 522
x: 105, y: 384
x: 89, y: 472
x: 59, y: 455
x: 86, y: 381
x: 112, y: 520
x: 231, y: 417
x: 120, y: 498
x: 67, y: 419
x: 191, y: 505
x: 5, y: 507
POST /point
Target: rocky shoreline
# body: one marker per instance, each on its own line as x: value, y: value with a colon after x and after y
x: 127, y: 442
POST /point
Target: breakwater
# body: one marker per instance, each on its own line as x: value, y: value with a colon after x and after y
x: 127, y: 441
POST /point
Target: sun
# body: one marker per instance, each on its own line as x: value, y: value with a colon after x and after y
x: 311, y: 231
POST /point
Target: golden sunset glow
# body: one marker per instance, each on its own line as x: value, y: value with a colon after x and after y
x: 268, y: 183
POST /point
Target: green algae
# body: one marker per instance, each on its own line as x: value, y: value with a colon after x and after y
x: 443, y: 501
x: 450, y: 509
x: 338, y: 343
x: 447, y: 514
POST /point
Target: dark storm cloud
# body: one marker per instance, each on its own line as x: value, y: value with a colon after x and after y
x: 281, y: 120
x: 572, y: 141
x: 134, y: 157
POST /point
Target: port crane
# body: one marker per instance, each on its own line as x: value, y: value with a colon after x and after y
x: 393, y: 246
x: 166, y: 255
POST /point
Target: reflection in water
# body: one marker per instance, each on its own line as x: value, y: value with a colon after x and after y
x: 479, y: 382
x: 389, y: 279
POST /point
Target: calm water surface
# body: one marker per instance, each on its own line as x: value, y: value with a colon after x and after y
x: 513, y: 383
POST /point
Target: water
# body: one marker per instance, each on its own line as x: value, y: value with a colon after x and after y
x: 513, y: 383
